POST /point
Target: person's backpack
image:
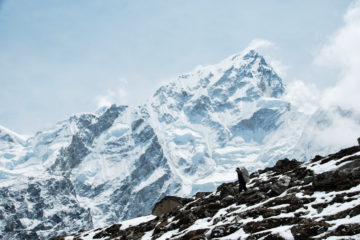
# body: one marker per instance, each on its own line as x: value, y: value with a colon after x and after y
x: 245, y: 174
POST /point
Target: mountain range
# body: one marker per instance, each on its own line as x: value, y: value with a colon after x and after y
x: 95, y: 169
x: 291, y: 200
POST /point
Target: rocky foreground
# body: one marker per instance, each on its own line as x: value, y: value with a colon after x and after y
x: 319, y: 199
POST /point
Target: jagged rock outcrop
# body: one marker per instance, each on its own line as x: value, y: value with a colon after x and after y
x: 291, y: 200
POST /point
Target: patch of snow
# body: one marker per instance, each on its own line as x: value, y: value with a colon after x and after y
x: 158, y: 173
x: 136, y: 221
x: 280, y: 206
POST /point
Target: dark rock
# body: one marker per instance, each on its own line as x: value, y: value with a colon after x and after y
x: 308, y: 229
x: 254, y: 175
x: 316, y: 158
x: 348, y: 212
x: 228, y: 200
x: 347, y: 230
x: 281, y: 184
x: 253, y: 227
x: 201, y: 194
x: 342, y: 153
x: 323, y: 180
x: 274, y: 237
x: 225, y: 190
x: 198, y: 234
x: 110, y: 232
x: 308, y: 179
x: 349, y: 159
x: 354, y: 162
x: 257, y: 236
x: 186, y: 219
x: 285, y: 165
x: 282, y: 166
x: 224, y: 230
x: 341, y: 179
x: 250, y: 197
x: 259, y: 211
x: 355, y: 172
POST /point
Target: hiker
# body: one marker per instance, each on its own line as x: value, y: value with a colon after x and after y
x: 243, y: 177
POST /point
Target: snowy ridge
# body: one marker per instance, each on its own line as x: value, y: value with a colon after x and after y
x: 291, y: 200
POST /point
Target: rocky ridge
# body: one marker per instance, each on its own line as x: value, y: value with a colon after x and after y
x: 319, y: 199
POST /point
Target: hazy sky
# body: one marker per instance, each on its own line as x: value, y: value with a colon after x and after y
x: 62, y: 57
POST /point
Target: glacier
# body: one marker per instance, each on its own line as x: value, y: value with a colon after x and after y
x: 95, y: 169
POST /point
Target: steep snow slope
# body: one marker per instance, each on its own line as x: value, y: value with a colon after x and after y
x: 12, y: 149
x: 224, y: 115
x: 291, y: 200
x: 188, y: 137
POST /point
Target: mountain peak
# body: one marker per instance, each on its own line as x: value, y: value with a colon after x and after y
x: 246, y: 57
x: 10, y: 136
x: 245, y: 76
x: 246, y: 54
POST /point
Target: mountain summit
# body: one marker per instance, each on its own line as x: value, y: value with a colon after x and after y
x: 96, y: 169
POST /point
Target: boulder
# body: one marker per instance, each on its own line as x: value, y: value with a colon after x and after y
x: 228, y: 200
x: 201, y: 194
x: 355, y: 172
x: 224, y: 230
x: 285, y: 165
x: 225, y: 189
x: 168, y: 204
x: 281, y: 184
x: 250, y: 197
x: 347, y: 229
x: 308, y: 229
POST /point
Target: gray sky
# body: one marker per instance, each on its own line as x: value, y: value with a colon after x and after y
x: 60, y: 57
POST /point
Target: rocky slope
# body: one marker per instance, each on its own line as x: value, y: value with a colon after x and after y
x: 319, y: 199
x: 115, y: 164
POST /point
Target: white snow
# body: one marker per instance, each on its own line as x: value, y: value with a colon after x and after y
x: 136, y: 221
x: 158, y: 173
x: 329, y: 166
x: 280, y: 206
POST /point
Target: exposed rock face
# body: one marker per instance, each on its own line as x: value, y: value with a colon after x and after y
x: 292, y: 200
x: 36, y: 204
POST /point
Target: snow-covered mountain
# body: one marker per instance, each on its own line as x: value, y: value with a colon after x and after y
x: 118, y: 162
x: 318, y: 199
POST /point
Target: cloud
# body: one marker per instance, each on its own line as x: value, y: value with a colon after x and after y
x: 279, y: 67
x: 258, y: 44
x: 304, y: 98
x: 343, y: 131
x: 266, y: 48
x: 336, y: 124
x: 342, y: 52
x: 113, y: 96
